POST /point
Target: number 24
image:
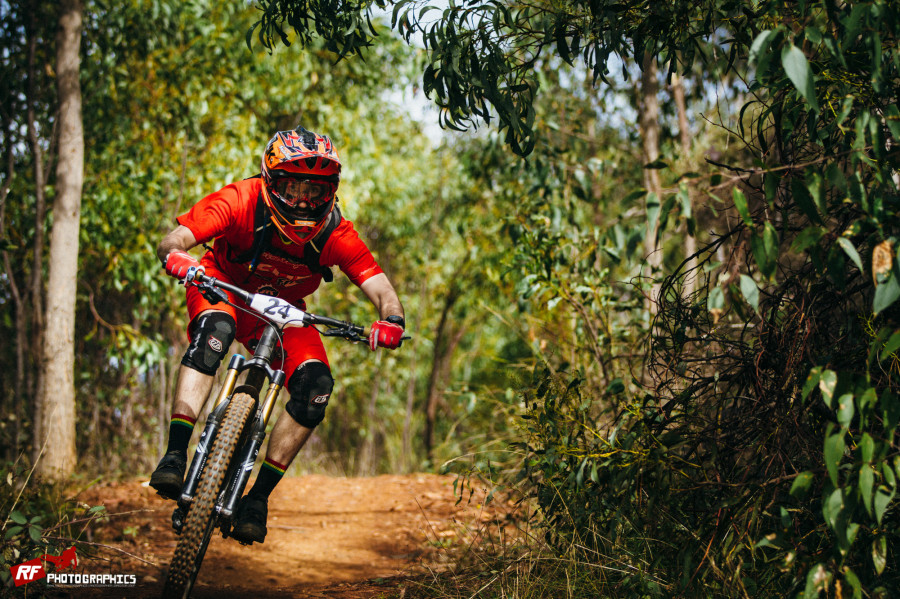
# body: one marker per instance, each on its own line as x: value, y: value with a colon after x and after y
x: 278, y: 307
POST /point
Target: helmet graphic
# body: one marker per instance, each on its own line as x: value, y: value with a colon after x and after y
x: 300, y: 172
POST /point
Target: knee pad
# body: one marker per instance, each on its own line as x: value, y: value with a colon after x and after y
x: 211, y: 335
x: 310, y: 387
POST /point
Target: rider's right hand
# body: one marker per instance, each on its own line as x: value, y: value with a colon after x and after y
x: 179, y: 262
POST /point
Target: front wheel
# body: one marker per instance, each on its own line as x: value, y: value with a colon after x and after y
x: 201, y: 518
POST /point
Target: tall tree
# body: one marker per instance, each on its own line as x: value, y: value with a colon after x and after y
x: 684, y: 137
x: 58, y: 398
x: 40, y: 208
x: 648, y: 108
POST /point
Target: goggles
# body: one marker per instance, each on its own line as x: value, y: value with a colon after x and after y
x: 295, y: 191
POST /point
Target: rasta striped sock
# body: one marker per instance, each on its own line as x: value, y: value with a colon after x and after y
x: 180, y: 430
x: 269, y: 475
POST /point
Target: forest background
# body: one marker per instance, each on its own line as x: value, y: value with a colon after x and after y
x: 651, y: 279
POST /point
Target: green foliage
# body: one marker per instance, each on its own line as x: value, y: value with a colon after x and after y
x: 482, y: 55
x: 734, y: 434
x: 347, y: 29
x: 36, y: 519
x: 676, y: 511
x: 174, y: 108
x: 767, y: 493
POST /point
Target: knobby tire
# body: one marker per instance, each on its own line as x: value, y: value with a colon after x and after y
x: 200, y: 521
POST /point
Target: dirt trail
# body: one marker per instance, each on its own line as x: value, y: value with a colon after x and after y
x: 346, y: 538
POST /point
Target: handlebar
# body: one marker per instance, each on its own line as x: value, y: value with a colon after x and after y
x: 275, y: 309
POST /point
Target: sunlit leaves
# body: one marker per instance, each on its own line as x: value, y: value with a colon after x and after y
x: 798, y: 71
x: 886, y: 293
x: 764, y: 244
x: 834, y: 453
x: 482, y: 55
x: 879, y: 554
x: 740, y: 202
x: 801, y: 484
x: 851, y: 252
x: 750, y: 292
x: 345, y: 32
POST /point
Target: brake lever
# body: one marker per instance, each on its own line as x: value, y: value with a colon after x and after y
x: 213, y: 295
x: 344, y: 333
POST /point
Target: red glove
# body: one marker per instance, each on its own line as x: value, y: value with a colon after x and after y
x: 178, y: 263
x: 385, y: 334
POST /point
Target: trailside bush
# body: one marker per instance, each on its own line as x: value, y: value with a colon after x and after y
x: 669, y: 509
x: 762, y: 459
x: 37, y: 519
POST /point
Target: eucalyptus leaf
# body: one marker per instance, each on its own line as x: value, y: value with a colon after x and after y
x: 816, y: 580
x: 740, y: 202
x: 886, y: 293
x: 760, y: 45
x: 801, y: 484
x: 827, y: 385
x: 834, y: 453
x: 853, y: 580
x: 879, y: 554
x: 716, y: 300
x: 851, y: 252
x: 832, y: 508
x: 845, y: 409
x: 866, y: 448
x: 797, y: 68
x: 812, y: 381
x: 891, y: 346
x: 883, y: 497
x: 750, y: 292
x: 866, y: 483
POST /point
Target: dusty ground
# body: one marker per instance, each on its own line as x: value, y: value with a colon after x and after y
x: 340, y: 538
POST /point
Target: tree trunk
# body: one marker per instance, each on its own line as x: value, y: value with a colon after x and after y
x: 366, y: 465
x: 16, y: 396
x: 684, y: 134
x: 36, y: 287
x: 649, y: 125
x: 437, y: 357
x: 411, y: 387
x: 444, y: 348
x: 58, y: 425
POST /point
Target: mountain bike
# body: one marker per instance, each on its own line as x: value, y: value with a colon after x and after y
x: 235, y: 429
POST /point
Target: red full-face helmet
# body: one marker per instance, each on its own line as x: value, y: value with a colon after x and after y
x: 301, y: 172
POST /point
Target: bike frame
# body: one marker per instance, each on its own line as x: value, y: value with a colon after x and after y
x: 258, y: 369
x: 215, y: 483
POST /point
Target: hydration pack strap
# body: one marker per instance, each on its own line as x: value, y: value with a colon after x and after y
x: 264, y: 228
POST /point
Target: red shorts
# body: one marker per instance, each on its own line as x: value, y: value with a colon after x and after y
x: 299, y: 344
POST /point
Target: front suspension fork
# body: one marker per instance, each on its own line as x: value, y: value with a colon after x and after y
x: 250, y: 450
x: 206, y: 440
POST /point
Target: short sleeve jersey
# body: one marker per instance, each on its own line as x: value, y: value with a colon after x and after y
x: 227, y: 216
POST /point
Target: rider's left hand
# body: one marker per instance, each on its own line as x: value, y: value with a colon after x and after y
x: 385, y: 334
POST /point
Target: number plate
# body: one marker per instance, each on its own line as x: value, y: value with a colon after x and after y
x: 278, y: 310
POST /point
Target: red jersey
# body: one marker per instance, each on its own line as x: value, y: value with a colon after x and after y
x: 228, y: 215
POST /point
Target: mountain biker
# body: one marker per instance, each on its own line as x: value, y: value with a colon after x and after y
x: 275, y: 234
